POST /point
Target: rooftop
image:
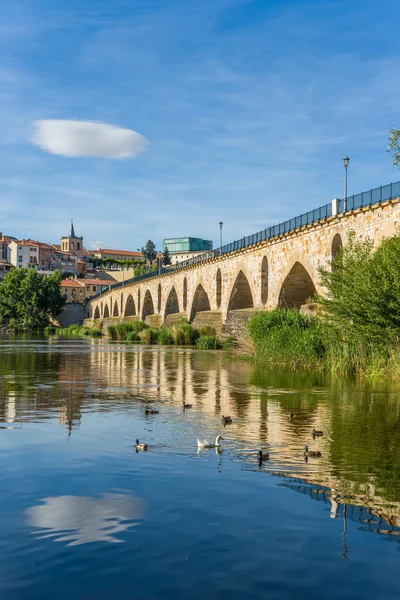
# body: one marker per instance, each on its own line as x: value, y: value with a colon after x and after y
x: 72, y: 283
x: 119, y: 252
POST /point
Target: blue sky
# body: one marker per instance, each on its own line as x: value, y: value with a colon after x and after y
x: 248, y: 107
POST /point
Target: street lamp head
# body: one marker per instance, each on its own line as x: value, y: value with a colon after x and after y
x: 220, y: 224
x: 346, y: 161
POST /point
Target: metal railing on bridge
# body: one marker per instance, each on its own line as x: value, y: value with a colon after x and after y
x: 373, y: 196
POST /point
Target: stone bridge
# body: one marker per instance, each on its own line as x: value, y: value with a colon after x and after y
x: 281, y: 271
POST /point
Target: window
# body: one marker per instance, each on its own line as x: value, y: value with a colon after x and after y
x: 33, y: 249
x: 20, y: 258
x: 78, y: 246
x: 94, y: 288
x: 88, y: 288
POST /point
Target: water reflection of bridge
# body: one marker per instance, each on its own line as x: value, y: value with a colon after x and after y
x: 67, y: 381
x: 371, y: 518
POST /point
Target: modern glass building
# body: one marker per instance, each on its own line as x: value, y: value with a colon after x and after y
x: 187, y: 244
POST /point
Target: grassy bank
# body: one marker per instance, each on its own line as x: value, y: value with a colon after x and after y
x: 178, y: 334
x: 288, y: 338
x: 73, y: 331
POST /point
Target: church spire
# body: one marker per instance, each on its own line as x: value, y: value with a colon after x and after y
x: 72, y: 232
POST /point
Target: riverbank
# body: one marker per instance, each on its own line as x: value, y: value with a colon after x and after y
x: 178, y: 334
x: 287, y: 338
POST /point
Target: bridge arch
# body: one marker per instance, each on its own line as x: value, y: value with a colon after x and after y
x: 241, y: 295
x: 159, y: 298
x: 218, y: 288
x: 264, y: 281
x: 185, y: 293
x: 172, y: 305
x: 200, y: 302
x: 148, y: 306
x: 336, y: 245
x: 115, y: 312
x: 130, y: 309
x: 96, y: 313
x: 106, y: 311
x: 297, y: 287
x: 138, y: 301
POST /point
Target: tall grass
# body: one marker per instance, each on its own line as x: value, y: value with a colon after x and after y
x: 74, y: 331
x: 286, y: 336
x: 126, y: 331
x: 179, y: 334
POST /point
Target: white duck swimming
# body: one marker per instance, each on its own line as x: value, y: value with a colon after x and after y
x: 205, y: 444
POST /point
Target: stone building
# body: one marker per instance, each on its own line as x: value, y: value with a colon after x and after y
x: 72, y: 244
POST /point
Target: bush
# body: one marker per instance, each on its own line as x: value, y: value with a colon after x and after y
x: 208, y: 342
x: 165, y: 337
x: 183, y: 333
x: 132, y: 336
x: 149, y: 336
x: 123, y: 331
x: 207, y: 330
x: 287, y: 336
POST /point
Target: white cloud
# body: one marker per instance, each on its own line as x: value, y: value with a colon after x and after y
x: 87, y: 138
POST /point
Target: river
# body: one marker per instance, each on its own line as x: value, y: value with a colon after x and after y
x: 83, y: 515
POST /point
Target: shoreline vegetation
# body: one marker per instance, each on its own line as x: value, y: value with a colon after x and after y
x: 356, y: 330
x: 178, y: 334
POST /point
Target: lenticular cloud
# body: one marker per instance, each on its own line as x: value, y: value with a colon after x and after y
x: 87, y: 138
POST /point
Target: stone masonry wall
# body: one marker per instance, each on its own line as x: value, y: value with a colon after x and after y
x: 292, y: 261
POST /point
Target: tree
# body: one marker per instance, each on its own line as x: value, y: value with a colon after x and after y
x: 149, y: 251
x: 28, y: 300
x: 363, y: 290
x: 394, y: 145
x: 166, y: 258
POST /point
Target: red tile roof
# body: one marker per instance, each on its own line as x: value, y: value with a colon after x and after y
x: 72, y: 283
x: 97, y: 281
x: 120, y: 252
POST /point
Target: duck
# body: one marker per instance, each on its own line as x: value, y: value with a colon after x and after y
x: 263, y: 456
x: 226, y: 420
x: 140, y: 446
x: 290, y: 415
x: 312, y: 453
x: 206, y: 444
x: 317, y: 433
x: 187, y: 406
x: 151, y: 411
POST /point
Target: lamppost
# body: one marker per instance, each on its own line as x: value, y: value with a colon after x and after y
x: 220, y: 237
x: 346, y: 161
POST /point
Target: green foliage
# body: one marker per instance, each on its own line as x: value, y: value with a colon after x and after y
x: 149, y: 336
x: 228, y: 343
x: 394, y: 145
x: 207, y: 330
x: 208, y: 342
x: 165, y: 337
x: 183, y: 333
x: 28, y: 300
x: 74, y: 331
x: 149, y: 251
x: 287, y: 336
x: 126, y: 331
x: 166, y: 258
x: 363, y: 291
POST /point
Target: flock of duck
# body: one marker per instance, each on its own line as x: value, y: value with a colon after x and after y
x: 202, y: 444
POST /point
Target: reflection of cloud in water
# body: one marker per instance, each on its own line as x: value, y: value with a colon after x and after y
x: 81, y: 519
